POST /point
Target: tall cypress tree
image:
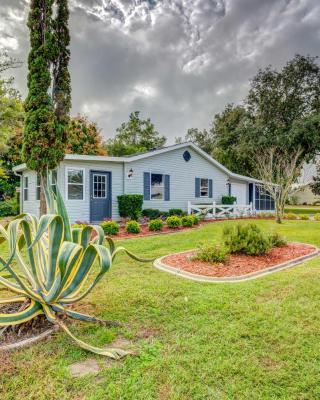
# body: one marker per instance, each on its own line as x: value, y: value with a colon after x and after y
x: 49, y: 100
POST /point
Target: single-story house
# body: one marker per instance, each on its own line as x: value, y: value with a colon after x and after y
x: 168, y: 178
x: 303, y: 195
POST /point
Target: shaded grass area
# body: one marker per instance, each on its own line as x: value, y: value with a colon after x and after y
x: 252, y: 340
x: 302, y: 209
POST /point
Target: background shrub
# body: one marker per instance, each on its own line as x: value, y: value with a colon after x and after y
x: 130, y: 206
x: 246, y: 239
x: 176, y: 211
x: 290, y: 216
x: 155, y: 225
x: 196, y: 219
x: 317, y: 217
x: 277, y: 240
x: 151, y: 213
x: 110, y: 227
x: 187, y: 220
x: 211, y: 253
x: 304, y: 217
x: 133, y: 227
x: 173, y: 222
x: 9, y: 207
x: 228, y: 200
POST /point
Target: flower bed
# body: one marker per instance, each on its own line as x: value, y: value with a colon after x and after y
x: 237, y: 264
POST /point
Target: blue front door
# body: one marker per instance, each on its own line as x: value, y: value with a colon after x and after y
x: 100, y: 196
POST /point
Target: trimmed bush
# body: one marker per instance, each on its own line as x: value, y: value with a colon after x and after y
x: 187, y: 220
x: 290, y: 216
x: 164, y: 214
x: 276, y: 240
x: 247, y: 239
x: 130, y: 206
x: 110, y: 227
x: 196, y: 219
x: 304, y: 217
x: 155, y: 225
x: 151, y: 213
x: 9, y: 208
x: 317, y: 217
x: 133, y: 227
x: 176, y: 211
x: 173, y: 222
x: 211, y: 253
x: 228, y: 200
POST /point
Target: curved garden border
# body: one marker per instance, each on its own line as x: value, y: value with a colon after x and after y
x: 159, y: 264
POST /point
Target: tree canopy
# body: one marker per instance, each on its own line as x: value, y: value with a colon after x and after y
x: 136, y: 135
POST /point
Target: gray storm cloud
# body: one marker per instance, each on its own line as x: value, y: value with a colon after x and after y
x: 178, y: 61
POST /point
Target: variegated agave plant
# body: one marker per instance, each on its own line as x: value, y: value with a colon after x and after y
x: 49, y: 264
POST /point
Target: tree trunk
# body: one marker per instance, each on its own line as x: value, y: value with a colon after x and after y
x: 43, y: 204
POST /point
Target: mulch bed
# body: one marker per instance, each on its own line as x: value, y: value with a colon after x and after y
x: 34, y: 327
x: 237, y: 264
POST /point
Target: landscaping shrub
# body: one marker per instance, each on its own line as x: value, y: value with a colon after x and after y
x: 317, y: 217
x: 176, y: 211
x: 130, y: 206
x: 211, y: 253
x: 277, y: 240
x: 187, y: 220
x: 196, y: 219
x: 228, y: 200
x: 290, y: 216
x: 304, y: 217
x: 133, y: 227
x: 246, y: 239
x: 110, y: 227
x: 155, y: 225
x: 151, y: 213
x: 173, y: 222
x: 8, y: 208
x: 164, y: 214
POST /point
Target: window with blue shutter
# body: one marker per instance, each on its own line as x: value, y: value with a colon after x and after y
x: 210, y: 189
x: 146, y: 185
x: 167, y: 187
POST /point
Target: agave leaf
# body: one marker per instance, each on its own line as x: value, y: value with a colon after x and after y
x: 32, y: 311
x: 130, y: 254
x: 15, y: 299
x: 62, y: 211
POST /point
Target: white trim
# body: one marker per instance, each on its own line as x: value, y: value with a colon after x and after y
x: 105, y: 183
x: 67, y: 183
x: 204, y: 197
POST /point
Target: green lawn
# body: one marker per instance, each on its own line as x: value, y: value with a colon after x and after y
x: 302, y: 209
x: 252, y: 340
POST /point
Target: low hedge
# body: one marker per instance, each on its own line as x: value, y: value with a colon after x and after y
x: 133, y: 227
x: 130, y: 206
x: 110, y: 227
x: 155, y: 225
x: 173, y: 222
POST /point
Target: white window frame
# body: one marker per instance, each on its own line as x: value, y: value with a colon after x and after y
x: 25, y: 188
x: 163, y: 186
x: 203, y: 186
x: 106, y: 185
x: 38, y: 187
x: 67, y: 183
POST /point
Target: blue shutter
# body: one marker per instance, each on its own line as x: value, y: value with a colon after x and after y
x: 210, y: 188
x: 197, y: 187
x: 167, y: 187
x: 146, y: 185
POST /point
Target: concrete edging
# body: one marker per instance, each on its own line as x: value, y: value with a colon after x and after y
x: 159, y: 264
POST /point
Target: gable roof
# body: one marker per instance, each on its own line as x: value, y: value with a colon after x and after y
x: 140, y: 156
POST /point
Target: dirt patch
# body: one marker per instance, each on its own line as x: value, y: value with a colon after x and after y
x: 16, y: 333
x: 238, y: 264
x: 83, y: 368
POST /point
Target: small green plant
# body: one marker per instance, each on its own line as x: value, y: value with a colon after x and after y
x: 317, y: 217
x: 196, y: 219
x: 187, y: 221
x: 276, y: 240
x: 133, y: 227
x: 151, y: 213
x: 228, y: 200
x: 155, y: 225
x: 290, y: 216
x: 110, y: 228
x: 130, y: 206
x: 213, y: 253
x: 173, y: 222
x: 304, y: 217
x: 247, y: 239
x: 176, y: 211
x: 9, y: 208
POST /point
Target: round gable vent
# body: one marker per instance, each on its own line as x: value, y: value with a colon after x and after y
x: 186, y: 156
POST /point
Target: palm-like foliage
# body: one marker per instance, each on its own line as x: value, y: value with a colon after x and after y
x: 49, y: 266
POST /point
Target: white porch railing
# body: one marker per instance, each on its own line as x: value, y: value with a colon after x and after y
x: 220, y: 210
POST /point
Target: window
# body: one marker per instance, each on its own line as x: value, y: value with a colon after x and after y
x: 99, y: 186
x: 75, y: 183
x: 38, y: 187
x: 263, y: 200
x: 53, y: 180
x: 26, y: 188
x: 204, y: 187
x: 157, y: 187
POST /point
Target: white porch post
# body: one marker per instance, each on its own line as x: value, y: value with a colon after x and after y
x: 214, y: 209
x: 189, y: 207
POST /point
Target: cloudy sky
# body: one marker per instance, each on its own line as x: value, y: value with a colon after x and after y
x: 178, y: 61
